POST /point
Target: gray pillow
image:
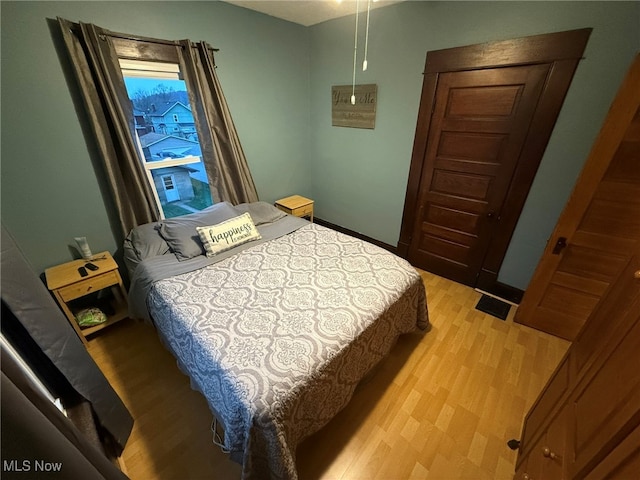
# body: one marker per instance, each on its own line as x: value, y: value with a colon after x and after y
x: 143, y: 242
x: 181, y: 234
x: 261, y: 212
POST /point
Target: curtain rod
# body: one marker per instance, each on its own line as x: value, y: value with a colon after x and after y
x: 175, y: 43
x: 126, y: 36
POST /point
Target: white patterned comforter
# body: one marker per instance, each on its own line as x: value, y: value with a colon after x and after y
x: 278, y: 336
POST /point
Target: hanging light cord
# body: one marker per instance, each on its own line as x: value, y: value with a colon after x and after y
x: 355, y: 56
x: 366, y: 38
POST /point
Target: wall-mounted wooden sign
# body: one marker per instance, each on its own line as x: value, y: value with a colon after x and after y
x: 360, y: 115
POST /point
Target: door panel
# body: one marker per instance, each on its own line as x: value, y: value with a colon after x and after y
x: 601, y: 418
x: 623, y: 462
x: 547, y: 459
x: 486, y: 114
x: 484, y: 101
x: 597, y: 389
x: 601, y: 223
x: 605, y: 354
x: 479, y: 124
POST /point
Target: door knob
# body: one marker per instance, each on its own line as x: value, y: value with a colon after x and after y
x: 546, y: 452
x: 636, y: 275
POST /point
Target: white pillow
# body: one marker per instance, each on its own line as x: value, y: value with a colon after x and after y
x: 228, y: 234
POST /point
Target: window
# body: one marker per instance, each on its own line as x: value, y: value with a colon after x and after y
x: 106, y: 65
x: 168, y: 150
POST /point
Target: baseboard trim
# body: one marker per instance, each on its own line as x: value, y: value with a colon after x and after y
x: 487, y: 281
x: 504, y: 292
x: 355, y: 234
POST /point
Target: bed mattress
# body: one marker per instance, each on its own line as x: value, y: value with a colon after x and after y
x: 277, y: 336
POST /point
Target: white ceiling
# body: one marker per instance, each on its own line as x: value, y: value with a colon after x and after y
x: 309, y: 12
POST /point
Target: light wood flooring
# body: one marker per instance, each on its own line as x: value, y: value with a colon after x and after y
x: 441, y: 406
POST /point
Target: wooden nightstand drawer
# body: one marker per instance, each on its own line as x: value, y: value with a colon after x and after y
x: 303, y: 211
x: 89, y: 285
x: 296, y: 205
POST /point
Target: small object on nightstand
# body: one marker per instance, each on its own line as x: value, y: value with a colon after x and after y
x: 296, y: 205
x: 71, y: 281
x: 83, y: 245
x: 90, y: 317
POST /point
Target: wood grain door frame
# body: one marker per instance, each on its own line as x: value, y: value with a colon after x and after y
x: 563, y: 51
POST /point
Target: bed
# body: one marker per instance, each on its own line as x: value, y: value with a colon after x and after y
x: 275, y: 332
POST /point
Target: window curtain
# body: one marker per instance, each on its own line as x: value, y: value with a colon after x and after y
x: 229, y: 175
x: 39, y: 323
x: 34, y: 430
x: 94, y: 59
x: 111, y: 119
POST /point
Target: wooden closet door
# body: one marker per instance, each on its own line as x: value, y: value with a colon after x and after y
x: 585, y: 423
x: 601, y: 420
x: 486, y: 114
x: 478, y: 127
x: 593, y: 239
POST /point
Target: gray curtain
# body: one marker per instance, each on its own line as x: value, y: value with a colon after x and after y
x: 29, y: 301
x: 33, y: 429
x: 111, y: 119
x: 95, y: 63
x: 229, y: 175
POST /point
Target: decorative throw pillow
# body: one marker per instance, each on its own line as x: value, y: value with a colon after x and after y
x: 180, y: 232
x: 228, y: 234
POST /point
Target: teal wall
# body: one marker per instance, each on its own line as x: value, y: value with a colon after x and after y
x: 360, y: 176
x: 277, y: 77
x: 50, y: 189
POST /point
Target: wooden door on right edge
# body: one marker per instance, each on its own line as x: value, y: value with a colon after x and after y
x: 585, y: 424
x: 592, y: 242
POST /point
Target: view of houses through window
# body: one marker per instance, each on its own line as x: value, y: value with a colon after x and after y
x: 167, y: 136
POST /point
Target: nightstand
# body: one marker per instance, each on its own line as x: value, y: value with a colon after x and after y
x: 67, y: 285
x: 296, y: 205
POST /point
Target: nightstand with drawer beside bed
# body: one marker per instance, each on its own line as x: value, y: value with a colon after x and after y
x: 296, y: 205
x: 68, y: 285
